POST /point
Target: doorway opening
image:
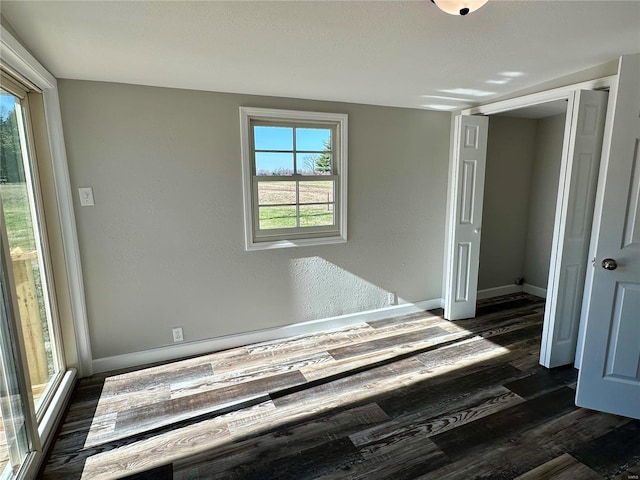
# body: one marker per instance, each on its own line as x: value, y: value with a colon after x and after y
x: 536, y: 167
x: 520, y: 207
x: 524, y: 155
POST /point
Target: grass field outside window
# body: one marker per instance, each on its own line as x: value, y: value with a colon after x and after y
x: 278, y: 206
x: 17, y: 216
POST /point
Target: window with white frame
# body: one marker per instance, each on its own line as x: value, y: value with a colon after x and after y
x: 295, y: 177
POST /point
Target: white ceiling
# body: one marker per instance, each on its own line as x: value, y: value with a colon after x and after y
x: 405, y: 53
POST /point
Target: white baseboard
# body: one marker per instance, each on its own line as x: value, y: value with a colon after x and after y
x: 173, y: 352
x: 497, y: 291
x: 537, y: 291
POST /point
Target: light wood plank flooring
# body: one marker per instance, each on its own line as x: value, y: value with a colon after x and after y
x: 405, y: 397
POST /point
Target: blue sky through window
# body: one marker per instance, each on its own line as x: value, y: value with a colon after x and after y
x: 312, y: 138
x: 273, y: 138
x: 281, y: 138
x: 7, y: 104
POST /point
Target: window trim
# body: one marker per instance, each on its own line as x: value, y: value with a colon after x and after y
x: 35, y: 192
x: 312, y: 237
x: 20, y: 63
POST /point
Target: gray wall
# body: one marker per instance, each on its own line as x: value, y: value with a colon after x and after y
x: 544, y: 191
x: 164, y: 244
x: 510, y: 154
x: 521, y: 187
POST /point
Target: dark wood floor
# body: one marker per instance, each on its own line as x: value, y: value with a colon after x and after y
x: 401, y: 398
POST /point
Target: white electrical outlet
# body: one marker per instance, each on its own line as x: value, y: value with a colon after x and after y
x: 391, y: 298
x: 86, y: 196
x: 177, y: 334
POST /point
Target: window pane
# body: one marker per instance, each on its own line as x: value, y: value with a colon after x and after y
x: 277, y: 217
x: 316, y: 192
x: 274, y: 163
x: 14, y: 436
x: 273, y: 193
x: 316, y: 215
x: 25, y: 246
x: 314, y: 163
x: 273, y: 138
x: 313, y: 139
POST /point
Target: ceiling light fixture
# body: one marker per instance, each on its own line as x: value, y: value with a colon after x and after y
x: 459, y: 7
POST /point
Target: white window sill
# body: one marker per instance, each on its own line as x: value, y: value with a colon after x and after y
x: 302, y: 242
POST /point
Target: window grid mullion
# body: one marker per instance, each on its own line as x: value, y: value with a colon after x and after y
x: 295, y: 172
x: 295, y: 153
x: 297, y: 204
x: 265, y: 150
x: 284, y: 204
x: 291, y: 178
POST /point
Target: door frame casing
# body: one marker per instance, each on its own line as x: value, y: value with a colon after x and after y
x: 560, y: 93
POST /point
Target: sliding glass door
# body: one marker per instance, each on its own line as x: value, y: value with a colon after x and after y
x: 30, y: 348
x: 22, y: 220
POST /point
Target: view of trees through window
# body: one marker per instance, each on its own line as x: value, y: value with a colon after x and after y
x: 11, y: 168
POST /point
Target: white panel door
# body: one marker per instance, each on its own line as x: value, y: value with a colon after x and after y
x: 609, y: 378
x: 465, y: 216
x: 572, y: 229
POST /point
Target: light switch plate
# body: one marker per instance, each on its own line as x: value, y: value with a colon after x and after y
x: 86, y: 196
